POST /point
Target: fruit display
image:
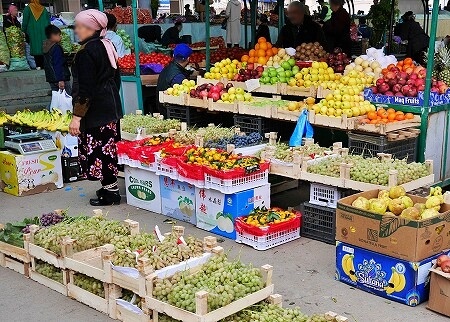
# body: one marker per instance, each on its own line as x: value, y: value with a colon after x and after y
x: 383, y: 116
x: 223, y: 53
x: 125, y: 15
x: 16, y: 42
x: 370, y: 170
x: 89, y: 232
x: 338, y: 60
x: 310, y: 52
x: 129, y: 61
x: 178, y: 89
x: 238, y: 140
x: 219, y: 159
x: 12, y: 232
x: 261, y: 53
x: 152, y: 125
x: 367, y: 66
x: 226, y: 68
x: 280, y: 104
x: 249, y: 72
x: 125, y: 38
x: 441, y: 67
x: 48, y: 270
x: 395, y: 202
x: 226, y: 281
x: 261, y: 217
x: 51, y: 218
x: 277, y: 59
x: 337, y: 104
x: 89, y: 284
x: 210, y: 135
x: 221, y: 93
x: 42, y: 120
x: 377, y: 55
x: 197, y: 57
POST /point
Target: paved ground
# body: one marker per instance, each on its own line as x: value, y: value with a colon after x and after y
x: 303, y: 270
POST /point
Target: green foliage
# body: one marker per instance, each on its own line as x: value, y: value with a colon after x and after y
x: 379, y: 16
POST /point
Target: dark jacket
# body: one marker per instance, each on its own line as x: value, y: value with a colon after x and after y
x: 337, y: 31
x: 293, y: 36
x: 8, y: 21
x: 172, y: 74
x: 96, y: 85
x: 417, y: 39
x: 55, y: 64
x: 263, y: 31
x: 171, y: 36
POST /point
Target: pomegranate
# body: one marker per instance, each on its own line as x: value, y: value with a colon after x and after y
x: 445, y: 266
x: 441, y: 259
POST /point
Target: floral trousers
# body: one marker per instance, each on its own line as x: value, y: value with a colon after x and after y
x: 98, y: 153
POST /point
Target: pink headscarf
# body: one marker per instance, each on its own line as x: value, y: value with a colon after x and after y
x: 10, y: 8
x: 97, y: 20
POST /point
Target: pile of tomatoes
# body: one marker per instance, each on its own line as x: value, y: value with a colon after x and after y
x: 128, y: 61
x: 197, y: 57
x: 383, y: 116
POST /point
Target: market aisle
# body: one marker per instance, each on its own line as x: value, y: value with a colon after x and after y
x: 303, y: 270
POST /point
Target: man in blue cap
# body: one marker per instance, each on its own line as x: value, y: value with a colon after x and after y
x: 175, y: 72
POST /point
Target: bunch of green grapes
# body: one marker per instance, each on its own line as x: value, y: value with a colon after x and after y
x: 49, y: 271
x: 225, y: 282
x: 215, y: 133
x: 161, y: 255
x: 331, y: 166
x: 132, y: 298
x: 89, y: 284
x: 284, y: 152
x: 88, y: 232
x: 185, y: 137
x: 152, y: 125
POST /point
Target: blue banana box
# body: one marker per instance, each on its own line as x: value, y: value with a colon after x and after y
x: 394, y: 279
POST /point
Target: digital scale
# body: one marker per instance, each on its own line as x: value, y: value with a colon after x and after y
x: 29, y: 143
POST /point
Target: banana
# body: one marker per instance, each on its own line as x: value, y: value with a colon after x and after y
x: 401, y: 282
x: 396, y: 283
x: 349, y: 267
x: 390, y: 288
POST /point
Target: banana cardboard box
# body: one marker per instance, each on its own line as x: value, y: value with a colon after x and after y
x: 143, y: 189
x: 411, y: 240
x: 216, y: 211
x: 23, y: 175
x: 178, y: 200
x: 394, y: 279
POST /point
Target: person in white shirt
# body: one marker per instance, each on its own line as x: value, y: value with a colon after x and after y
x: 115, y: 38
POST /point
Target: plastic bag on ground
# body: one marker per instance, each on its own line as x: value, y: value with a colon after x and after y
x: 30, y: 58
x: 303, y: 129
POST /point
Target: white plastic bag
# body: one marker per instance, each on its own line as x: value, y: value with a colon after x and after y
x: 61, y: 100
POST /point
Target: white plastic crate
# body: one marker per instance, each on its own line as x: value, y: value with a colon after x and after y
x: 268, y: 241
x: 163, y: 169
x: 194, y: 182
x: 125, y: 160
x: 238, y: 184
x: 323, y: 195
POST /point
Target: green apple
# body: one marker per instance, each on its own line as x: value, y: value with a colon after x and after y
x: 232, y: 97
x: 247, y: 96
x: 232, y: 90
x: 280, y: 69
x: 282, y: 74
x: 225, y: 97
x: 285, y: 65
x: 273, y: 80
x: 265, y: 73
x: 240, y: 97
x: 347, y: 112
x: 288, y: 74
x: 239, y: 91
x: 291, y: 61
x: 282, y: 79
x: 273, y: 73
x: 295, y: 70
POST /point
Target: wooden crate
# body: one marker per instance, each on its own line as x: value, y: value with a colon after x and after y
x: 319, y: 178
x: 15, y: 264
x: 222, y: 107
x: 50, y: 283
x: 343, y: 122
x: 196, y: 102
x: 269, y: 89
x: 298, y: 91
x: 170, y: 99
x: 247, y: 108
x: 202, y: 314
x: 15, y: 258
x: 281, y: 114
x: 384, y: 129
x: 201, y: 81
x: 126, y: 315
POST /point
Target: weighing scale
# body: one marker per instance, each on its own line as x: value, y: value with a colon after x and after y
x: 29, y: 143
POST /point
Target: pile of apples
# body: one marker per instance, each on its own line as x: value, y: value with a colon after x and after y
x: 343, y: 102
x: 226, y: 68
x: 443, y: 262
x: 367, y: 66
x: 395, y: 82
x: 221, y: 93
x: 338, y: 60
x: 249, y: 72
x: 178, y: 89
x: 283, y: 74
x: 318, y: 73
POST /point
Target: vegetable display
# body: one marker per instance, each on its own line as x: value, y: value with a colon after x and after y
x: 125, y: 38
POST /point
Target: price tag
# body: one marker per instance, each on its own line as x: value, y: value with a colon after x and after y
x: 252, y: 84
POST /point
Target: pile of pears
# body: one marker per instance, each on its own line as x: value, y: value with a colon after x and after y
x: 395, y: 202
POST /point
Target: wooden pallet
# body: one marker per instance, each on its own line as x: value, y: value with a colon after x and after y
x: 202, y: 314
x: 384, y: 129
x: 403, y: 134
x: 50, y: 283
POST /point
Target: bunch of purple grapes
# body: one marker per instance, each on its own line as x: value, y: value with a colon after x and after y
x: 26, y: 230
x: 50, y: 219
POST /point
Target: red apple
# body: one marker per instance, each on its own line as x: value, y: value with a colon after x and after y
x: 435, y: 89
x: 204, y: 94
x: 215, y: 96
x: 420, y: 81
x: 389, y: 93
x: 392, y: 82
x: 380, y: 81
x: 441, y: 259
x: 390, y: 75
x: 411, y: 82
x: 260, y: 69
x: 399, y: 94
x: 250, y: 66
x: 374, y: 89
x: 421, y: 88
x: 412, y: 92
x: 413, y: 76
x: 394, y: 69
x: 397, y: 88
x: 405, y: 89
x: 445, y: 266
x: 220, y: 85
x: 383, y: 88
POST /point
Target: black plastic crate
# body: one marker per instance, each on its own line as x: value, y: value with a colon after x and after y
x: 71, y: 169
x: 249, y: 124
x: 318, y: 223
x: 191, y: 116
x: 370, y: 145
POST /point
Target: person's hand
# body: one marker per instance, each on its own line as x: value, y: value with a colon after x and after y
x: 74, y: 126
x: 61, y: 85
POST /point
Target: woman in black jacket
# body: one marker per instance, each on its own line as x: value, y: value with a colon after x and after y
x: 418, y: 40
x: 96, y: 105
x: 337, y: 29
x: 10, y: 19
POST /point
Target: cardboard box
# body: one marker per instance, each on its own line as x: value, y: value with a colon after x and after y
x: 143, y: 189
x: 393, y: 236
x: 23, y: 175
x: 178, y: 200
x: 439, y: 300
x: 394, y: 279
x: 216, y: 211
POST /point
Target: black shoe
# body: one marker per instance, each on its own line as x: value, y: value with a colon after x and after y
x: 100, y: 192
x: 106, y: 198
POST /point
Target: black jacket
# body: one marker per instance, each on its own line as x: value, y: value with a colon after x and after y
x: 9, y: 22
x: 96, y: 86
x: 55, y: 64
x: 418, y: 40
x: 171, y: 36
x: 293, y: 36
x: 169, y: 74
x: 337, y: 31
x: 263, y: 31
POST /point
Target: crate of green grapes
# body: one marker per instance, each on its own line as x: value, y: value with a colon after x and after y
x: 48, y: 275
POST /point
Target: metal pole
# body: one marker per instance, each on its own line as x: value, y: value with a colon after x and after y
x: 245, y: 24
x: 391, y: 24
x: 254, y: 10
x: 136, y: 39
x: 280, y: 14
x: 208, y: 35
x: 100, y: 5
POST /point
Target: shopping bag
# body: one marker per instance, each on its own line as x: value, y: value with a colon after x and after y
x: 61, y: 100
x: 303, y: 129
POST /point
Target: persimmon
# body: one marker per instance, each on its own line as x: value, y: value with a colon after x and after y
x: 390, y: 110
x: 391, y: 116
x: 372, y: 115
x: 252, y: 53
x: 408, y: 61
x: 399, y: 113
x: 409, y: 116
x: 400, y: 117
x: 262, y: 40
x: 381, y: 111
x: 245, y: 58
x: 373, y: 121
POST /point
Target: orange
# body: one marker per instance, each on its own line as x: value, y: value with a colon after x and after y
x: 390, y: 110
x: 379, y: 118
x: 399, y: 117
x: 399, y: 113
x: 252, y: 53
x: 261, y: 40
x: 391, y: 116
x: 372, y: 115
x: 269, y: 45
x: 384, y: 71
x: 373, y: 121
x: 262, y: 60
x: 400, y: 63
x: 408, y: 61
x: 257, y: 47
x: 381, y: 111
x: 274, y: 50
x: 383, y: 121
x: 251, y: 60
x: 244, y: 58
x: 390, y: 66
x: 261, y: 53
x: 409, y: 116
x: 384, y: 115
x: 263, y: 46
x: 269, y: 53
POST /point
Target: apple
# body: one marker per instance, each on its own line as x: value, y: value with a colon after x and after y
x: 383, y: 88
x: 397, y: 88
x: 389, y: 93
x: 380, y: 81
x: 399, y: 94
x: 411, y: 82
x: 225, y: 97
x: 374, y: 89
x: 413, y: 76
x: 405, y: 89
x: 260, y: 69
x: 412, y: 92
x: 441, y: 259
x: 435, y: 90
x: 239, y: 91
x: 215, y: 96
x: 421, y: 88
x: 204, y: 94
x: 248, y: 96
x: 392, y: 82
x: 220, y: 85
x: 250, y: 66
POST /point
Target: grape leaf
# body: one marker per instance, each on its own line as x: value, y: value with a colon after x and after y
x: 390, y: 224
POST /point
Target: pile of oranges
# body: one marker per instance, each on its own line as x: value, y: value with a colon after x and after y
x: 261, y: 53
x: 383, y: 116
x: 407, y: 65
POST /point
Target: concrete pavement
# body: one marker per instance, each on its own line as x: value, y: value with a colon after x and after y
x: 303, y: 269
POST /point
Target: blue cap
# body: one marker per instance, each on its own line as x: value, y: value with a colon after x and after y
x: 182, y: 51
